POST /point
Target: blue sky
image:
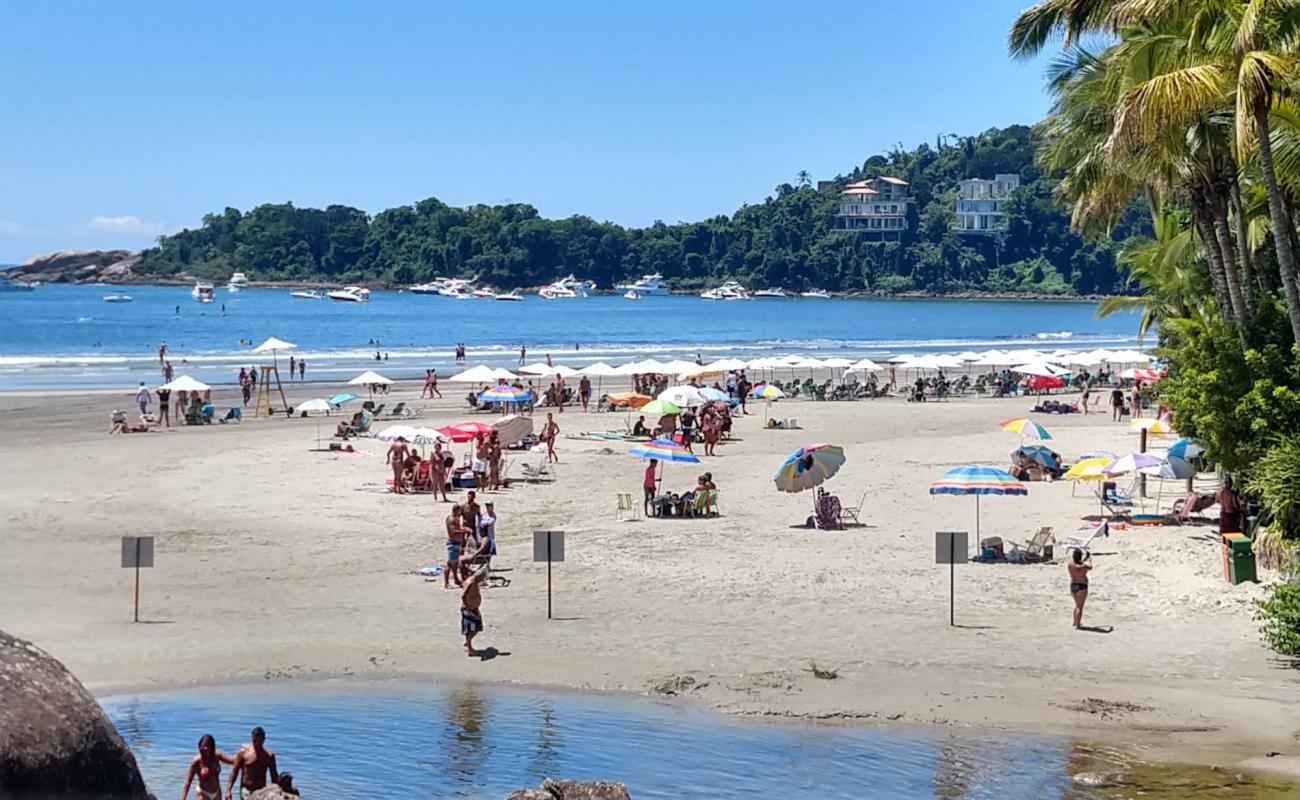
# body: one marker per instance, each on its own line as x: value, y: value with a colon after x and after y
x: 129, y: 119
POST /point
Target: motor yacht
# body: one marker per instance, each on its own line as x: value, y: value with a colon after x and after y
x: 648, y: 285
x: 202, y: 292
x: 350, y: 294
x: 457, y: 288
x: 238, y: 280
x: 727, y: 291
x: 484, y: 294
x: 631, y: 294
x: 815, y: 293
x: 307, y: 294
x: 511, y: 296
x: 433, y: 287
x: 566, y: 288
x: 776, y: 292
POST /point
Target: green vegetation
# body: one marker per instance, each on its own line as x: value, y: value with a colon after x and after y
x: 1192, y: 105
x: 788, y: 240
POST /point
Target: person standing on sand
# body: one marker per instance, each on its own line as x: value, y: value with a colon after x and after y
x: 456, y: 533
x: 293, y: 367
x: 302, y: 370
x: 254, y: 761
x: 523, y: 353
x: 471, y: 617
x: 1229, y: 507
x: 1079, y: 566
x: 549, y: 431
x: 438, y: 472
x: 206, y: 767
x: 397, y: 458
x: 164, y: 406
x: 433, y: 384
x: 584, y: 391
x: 649, y: 485
x: 142, y: 398
x: 1116, y: 403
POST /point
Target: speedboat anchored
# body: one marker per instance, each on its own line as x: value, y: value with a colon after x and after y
x: 238, y: 281
x: 727, y: 291
x: 566, y: 288
x: 307, y: 294
x: 648, y: 285
x: 775, y: 292
x: 350, y: 294
x: 631, y: 294
x: 117, y: 298
x: 818, y: 293
x: 511, y: 296
x: 203, y: 292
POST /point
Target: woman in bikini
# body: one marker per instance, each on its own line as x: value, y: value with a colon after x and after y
x: 1078, y: 566
x: 206, y: 767
x: 396, y: 458
x: 438, y: 471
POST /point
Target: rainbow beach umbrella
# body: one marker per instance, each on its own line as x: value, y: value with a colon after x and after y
x: 766, y: 391
x: 502, y: 393
x: 977, y: 479
x: 1027, y: 428
x: 808, y: 466
x: 664, y: 450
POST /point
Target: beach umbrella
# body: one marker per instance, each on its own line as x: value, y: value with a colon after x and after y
x: 1089, y: 469
x: 1185, y: 449
x: 837, y: 363
x: 901, y: 359
x: 660, y: 408
x: 1108, y: 455
x: 599, y: 371
x: 1039, y: 368
x: 1027, y: 428
x: 481, y: 373
x: 683, y: 396
x: 536, y: 368
x: 678, y: 366
x: 273, y: 346
x: 808, y: 466
x: 766, y: 391
x: 342, y: 397
x: 369, y: 379
x: 186, y: 384
x: 977, y: 479
x: 1045, y: 382
x: 663, y: 451
x: 1132, y: 462
x: 315, y: 405
x: 969, y: 356
x: 394, y: 432
x: 629, y: 399
x: 1152, y: 426
x: 464, y: 431
x: 1171, y: 468
x: 714, y: 395
x: 865, y: 365
x: 504, y: 393
x: 1040, y: 453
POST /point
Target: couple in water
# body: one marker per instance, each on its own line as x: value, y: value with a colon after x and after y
x: 252, y: 763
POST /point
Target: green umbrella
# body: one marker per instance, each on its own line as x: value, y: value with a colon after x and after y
x: 659, y: 408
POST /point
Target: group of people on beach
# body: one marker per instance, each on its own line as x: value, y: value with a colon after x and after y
x: 253, y: 765
x: 471, y: 544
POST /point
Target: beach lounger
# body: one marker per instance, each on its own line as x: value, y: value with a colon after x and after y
x: 1084, y: 542
x: 538, y: 472
x: 626, y: 505
x: 378, y: 411
x: 1036, y: 549
x: 399, y: 410
x: 1185, y: 510
x: 235, y: 414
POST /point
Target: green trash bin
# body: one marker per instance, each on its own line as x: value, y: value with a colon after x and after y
x: 1241, y: 562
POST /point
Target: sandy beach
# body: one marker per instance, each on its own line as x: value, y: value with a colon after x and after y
x: 278, y: 563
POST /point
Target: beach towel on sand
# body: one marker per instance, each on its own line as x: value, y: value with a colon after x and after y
x: 428, y: 572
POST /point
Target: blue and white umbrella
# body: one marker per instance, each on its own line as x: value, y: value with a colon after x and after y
x: 1185, y: 449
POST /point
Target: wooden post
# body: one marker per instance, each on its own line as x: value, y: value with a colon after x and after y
x: 1142, y: 448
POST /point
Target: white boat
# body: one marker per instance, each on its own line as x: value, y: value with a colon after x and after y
x: 648, y: 285
x: 777, y: 292
x: 631, y: 294
x: 203, y: 292
x: 238, y: 281
x: 307, y: 294
x: 511, y: 296
x: 484, y: 294
x: 457, y: 287
x: 350, y: 294
x: 433, y: 287
x: 727, y: 291
x: 8, y: 285
x: 117, y: 298
x: 566, y: 288
x: 815, y: 293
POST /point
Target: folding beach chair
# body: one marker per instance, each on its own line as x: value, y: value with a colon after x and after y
x: 399, y: 410
x: 540, y: 471
x: 1035, y: 550
x: 1186, y: 509
x: 1085, y: 541
x: 626, y: 505
x: 850, y: 513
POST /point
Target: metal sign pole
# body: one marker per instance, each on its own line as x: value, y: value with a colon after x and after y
x: 137, y: 580
x: 952, y: 581
x: 548, y: 546
x: 548, y: 575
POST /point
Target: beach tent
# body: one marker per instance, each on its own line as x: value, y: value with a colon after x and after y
x: 186, y: 384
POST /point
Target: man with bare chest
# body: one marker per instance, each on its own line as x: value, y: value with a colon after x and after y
x: 252, y: 763
x: 471, y: 618
x: 456, y: 533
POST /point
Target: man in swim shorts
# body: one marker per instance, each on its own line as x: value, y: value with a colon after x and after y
x: 456, y: 533
x: 471, y: 618
x: 252, y: 762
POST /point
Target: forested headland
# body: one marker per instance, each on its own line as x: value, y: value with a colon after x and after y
x: 788, y: 240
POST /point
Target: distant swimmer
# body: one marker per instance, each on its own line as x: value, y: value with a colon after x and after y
x: 178, y: 311
x: 162, y: 353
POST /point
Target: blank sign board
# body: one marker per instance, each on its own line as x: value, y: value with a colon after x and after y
x: 950, y: 547
x: 133, y: 546
x: 542, y: 540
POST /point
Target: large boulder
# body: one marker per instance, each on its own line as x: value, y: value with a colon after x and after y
x: 55, y: 741
x: 552, y: 789
x: 76, y: 266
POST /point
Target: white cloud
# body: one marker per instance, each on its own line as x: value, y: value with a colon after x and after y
x: 124, y: 224
x: 8, y: 228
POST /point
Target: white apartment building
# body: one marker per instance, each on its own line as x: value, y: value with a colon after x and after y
x: 876, y: 205
x: 980, y: 207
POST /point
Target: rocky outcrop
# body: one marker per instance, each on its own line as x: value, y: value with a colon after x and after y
x: 272, y: 793
x: 552, y: 789
x: 55, y: 741
x: 77, y: 266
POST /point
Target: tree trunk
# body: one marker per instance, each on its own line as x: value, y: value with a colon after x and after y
x: 1243, y: 247
x: 1213, y: 255
x: 1218, y: 208
x: 1278, y: 219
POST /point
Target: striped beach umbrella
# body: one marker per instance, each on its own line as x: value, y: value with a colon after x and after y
x: 502, y: 393
x: 808, y: 466
x: 664, y: 450
x: 977, y: 479
x: 1131, y: 463
x: 766, y: 391
x: 1027, y: 428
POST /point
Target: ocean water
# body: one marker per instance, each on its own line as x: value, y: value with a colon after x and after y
x: 343, y: 739
x: 67, y: 336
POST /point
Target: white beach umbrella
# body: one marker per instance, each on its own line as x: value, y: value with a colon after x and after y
x: 477, y: 374
x: 1130, y: 357
x: 186, y: 384
x: 501, y: 374
x: 727, y: 365
x: 865, y: 365
x: 678, y: 366
x: 599, y: 370
x: 969, y: 355
x: 683, y: 396
x: 1039, y: 368
x: 274, y: 345
x: 837, y: 363
x: 314, y: 406
x: 901, y: 359
x: 535, y: 368
x: 947, y: 361
x: 369, y: 378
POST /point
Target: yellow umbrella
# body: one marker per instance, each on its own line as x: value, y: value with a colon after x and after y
x: 1090, y: 469
x: 1152, y: 426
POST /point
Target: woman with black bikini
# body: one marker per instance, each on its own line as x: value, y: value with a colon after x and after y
x: 1079, y: 567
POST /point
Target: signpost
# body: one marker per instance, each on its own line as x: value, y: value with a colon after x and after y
x: 548, y: 546
x: 950, y: 548
x: 137, y: 552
